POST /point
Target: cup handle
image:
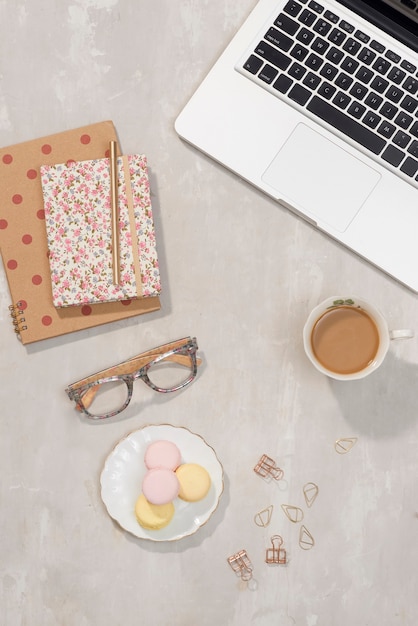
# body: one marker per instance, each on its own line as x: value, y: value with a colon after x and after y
x: 406, y: 333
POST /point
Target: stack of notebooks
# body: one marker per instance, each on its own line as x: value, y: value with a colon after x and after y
x: 55, y: 234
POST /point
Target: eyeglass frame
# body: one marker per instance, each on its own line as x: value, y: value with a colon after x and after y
x: 178, y: 350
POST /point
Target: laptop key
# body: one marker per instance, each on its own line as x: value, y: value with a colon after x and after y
x: 305, y: 36
x: 396, y: 75
x: 349, y: 65
x: 334, y: 55
x: 414, y: 129
x: 357, y: 110
x: 337, y: 36
x: 346, y: 125
x: 366, y: 56
x: 401, y: 139
x: 386, y: 129
x: 296, y: 71
x: 272, y: 55
x: 315, y: 6
x: 371, y: 119
x: 411, y: 85
x: 351, y: 46
x: 313, y: 61
x: 341, y: 100
x: 394, y: 94
x: 298, y: 52
x: 268, y: 73
x: 286, y: 24
x: 299, y: 94
x: 379, y: 84
x: 413, y: 149
x: 404, y: 121
x: 307, y: 17
x: 388, y: 110
x: 409, y: 166
x: 373, y: 101
x: 283, y: 83
x: 409, y: 104
x: 332, y: 17
x: 393, y: 155
x: 311, y: 80
x: 292, y: 8
x: 322, y: 27
x: 253, y: 64
x: 326, y: 90
x: 278, y: 39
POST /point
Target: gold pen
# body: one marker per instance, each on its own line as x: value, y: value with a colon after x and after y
x: 115, y: 211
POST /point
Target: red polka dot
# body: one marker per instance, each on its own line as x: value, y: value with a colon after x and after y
x: 85, y: 139
x: 126, y: 302
x: 70, y: 162
x: 31, y: 174
x: 3, y: 224
x: 22, y: 304
x: 86, y: 309
x: 47, y: 320
x: 7, y: 159
x: 40, y: 214
x: 26, y: 239
x: 107, y: 154
x: 17, y: 198
x: 12, y: 264
x: 46, y: 148
x: 36, y: 279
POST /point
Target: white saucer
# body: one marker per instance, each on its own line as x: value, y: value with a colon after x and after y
x: 124, y: 469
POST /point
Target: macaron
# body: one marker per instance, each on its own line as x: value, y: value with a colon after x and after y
x: 162, y: 453
x: 160, y: 485
x: 194, y: 482
x: 153, y: 516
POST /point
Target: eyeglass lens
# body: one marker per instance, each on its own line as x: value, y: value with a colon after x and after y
x: 109, y: 397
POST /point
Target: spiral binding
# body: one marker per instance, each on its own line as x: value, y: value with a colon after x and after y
x: 16, y: 314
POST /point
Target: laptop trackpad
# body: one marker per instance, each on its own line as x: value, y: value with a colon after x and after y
x: 320, y: 178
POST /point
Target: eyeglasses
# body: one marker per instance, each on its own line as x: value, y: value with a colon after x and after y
x: 165, y: 369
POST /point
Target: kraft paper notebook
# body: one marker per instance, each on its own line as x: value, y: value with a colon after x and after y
x: 78, y: 219
x: 23, y: 239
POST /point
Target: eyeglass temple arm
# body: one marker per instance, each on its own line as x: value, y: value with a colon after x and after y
x: 128, y: 368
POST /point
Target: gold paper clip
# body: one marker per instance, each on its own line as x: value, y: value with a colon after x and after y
x: 262, y: 518
x: 310, y: 491
x: 266, y: 467
x: 276, y: 554
x: 342, y: 446
x: 241, y: 565
x: 306, y: 541
x: 293, y: 513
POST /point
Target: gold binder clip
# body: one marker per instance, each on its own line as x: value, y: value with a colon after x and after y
x: 342, y: 446
x: 276, y: 554
x: 262, y: 518
x: 267, y: 468
x: 241, y: 565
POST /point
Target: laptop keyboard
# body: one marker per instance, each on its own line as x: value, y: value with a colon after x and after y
x: 317, y: 60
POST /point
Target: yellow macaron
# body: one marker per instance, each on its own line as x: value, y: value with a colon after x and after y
x: 153, y: 516
x: 194, y: 482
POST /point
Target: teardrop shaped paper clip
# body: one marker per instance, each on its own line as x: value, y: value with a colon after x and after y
x: 294, y: 513
x: 306, y: 541
x: 310, y: 491
x: 262, y: 518
x: 342, y: 446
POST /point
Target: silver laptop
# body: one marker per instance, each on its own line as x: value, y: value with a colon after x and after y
x: 316, y: 104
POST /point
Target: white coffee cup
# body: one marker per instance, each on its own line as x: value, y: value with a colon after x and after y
x: 348, y: 338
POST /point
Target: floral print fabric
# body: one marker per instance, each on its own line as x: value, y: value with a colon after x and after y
x: 78, y: 223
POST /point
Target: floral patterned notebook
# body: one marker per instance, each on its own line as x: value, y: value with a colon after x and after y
x: 77, y: 202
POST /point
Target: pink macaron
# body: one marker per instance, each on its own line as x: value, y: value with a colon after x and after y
x: 160, y: 485
x: 162, y: 453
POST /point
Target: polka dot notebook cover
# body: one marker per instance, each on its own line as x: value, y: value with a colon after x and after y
x: 78, y: 219
x: 23, y: 239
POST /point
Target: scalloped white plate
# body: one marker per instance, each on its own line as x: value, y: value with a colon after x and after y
x: 124, y: 469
